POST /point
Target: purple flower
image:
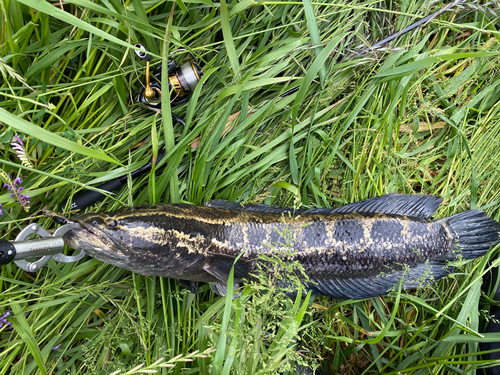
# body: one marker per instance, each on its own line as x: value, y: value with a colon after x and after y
x: 15, y: 187
x: 1, y: 212
x: 20, y: 151
x: 54, y: 348
x: 18, y: 144
x: 3, y: 319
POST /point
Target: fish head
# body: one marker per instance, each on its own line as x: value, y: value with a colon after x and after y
x: 101, y: 236
x: 151, y: 240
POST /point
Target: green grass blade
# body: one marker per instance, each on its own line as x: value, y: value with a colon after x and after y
x: 402, y: 71
x: 168, y: 130
x: 43, y: 135
x: 23, y: 328
x: 228, y: 37
x: 314, y: 34
x: 45, y: 7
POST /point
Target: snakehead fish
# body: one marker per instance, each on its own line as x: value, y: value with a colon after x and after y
x: 360, y: 250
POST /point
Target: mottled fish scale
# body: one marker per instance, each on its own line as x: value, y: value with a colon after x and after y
x: 339, y: 246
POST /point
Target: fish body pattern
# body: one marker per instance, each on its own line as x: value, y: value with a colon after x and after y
x: 360, y: 250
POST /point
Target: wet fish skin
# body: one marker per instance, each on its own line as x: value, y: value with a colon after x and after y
x: 344, y: 252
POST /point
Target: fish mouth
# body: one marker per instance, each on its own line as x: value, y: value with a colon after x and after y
x: 84, y: 237
x: 79, y: 238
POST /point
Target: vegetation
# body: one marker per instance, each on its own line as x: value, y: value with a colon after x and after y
x: 421, y: 115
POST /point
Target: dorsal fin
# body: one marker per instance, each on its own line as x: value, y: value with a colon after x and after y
x: 418, y: 206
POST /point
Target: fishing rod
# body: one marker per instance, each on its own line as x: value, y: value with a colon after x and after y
x: 409, y: 28
x: 182, y: 80
x: 87, y: 198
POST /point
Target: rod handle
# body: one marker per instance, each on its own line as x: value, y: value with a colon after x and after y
x: 89, y: 197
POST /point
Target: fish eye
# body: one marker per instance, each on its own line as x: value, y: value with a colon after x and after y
x: 111, y: 223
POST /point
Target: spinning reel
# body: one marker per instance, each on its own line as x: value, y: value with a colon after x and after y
x: 182, y: 81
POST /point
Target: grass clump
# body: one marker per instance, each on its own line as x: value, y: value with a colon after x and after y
x: 420, y: 115
x: 263, y: 325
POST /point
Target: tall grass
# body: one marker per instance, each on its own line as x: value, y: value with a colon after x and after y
x: 418, y: 116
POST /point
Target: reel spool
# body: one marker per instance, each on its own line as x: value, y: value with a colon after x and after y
x: 182, y: 81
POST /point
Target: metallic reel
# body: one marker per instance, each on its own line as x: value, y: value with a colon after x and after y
x: 182, y: 80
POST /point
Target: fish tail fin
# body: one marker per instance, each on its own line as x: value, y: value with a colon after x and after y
x: 474, y: 232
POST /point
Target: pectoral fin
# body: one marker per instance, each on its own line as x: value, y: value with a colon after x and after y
x: 219, y: 265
